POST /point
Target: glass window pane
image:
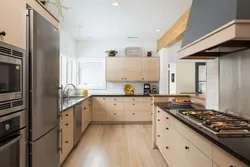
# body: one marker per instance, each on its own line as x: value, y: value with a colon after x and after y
x: 202, y: 73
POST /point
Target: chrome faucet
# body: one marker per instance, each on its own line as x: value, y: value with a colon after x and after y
x: 66, y: 94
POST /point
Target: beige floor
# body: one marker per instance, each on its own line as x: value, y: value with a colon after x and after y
x: 116, y: 146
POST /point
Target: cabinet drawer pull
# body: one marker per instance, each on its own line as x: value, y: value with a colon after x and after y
x: 2, y: 33
x: 167, y: 147
x: 151, y: 113
x: 151, y: 104
x: 167, y: 128
x: 125, y: 78
x: 103, y: 98
x: 186, y: 147
x: 143, y: 78
x: 121, y: 78
x: 67, y: 115
x: 133, y: 99
x: 115, y: 104
x: 158, y: 135
x: 158, y: 111
x: 114, y: 99
x: 158, y: 119
x: 67, y: 124
x: 114, y: 113
x: 66, y: 142
x: 133, y: 113
x: 167, y: 118
x: 133, y: 104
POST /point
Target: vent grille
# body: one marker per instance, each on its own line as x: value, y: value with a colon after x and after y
x: 5, y: 106
x: 16, y: 53
x: 17, y: 103
x: 5, y: 50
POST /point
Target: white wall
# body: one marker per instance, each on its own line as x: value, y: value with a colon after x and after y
x: 97, y: 48
x: 67, y: 44
x: 164, y: 60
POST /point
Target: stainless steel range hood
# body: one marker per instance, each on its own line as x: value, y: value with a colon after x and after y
x: 216, y: 28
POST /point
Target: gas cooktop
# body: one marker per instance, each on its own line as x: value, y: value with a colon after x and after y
x: 217, y: 122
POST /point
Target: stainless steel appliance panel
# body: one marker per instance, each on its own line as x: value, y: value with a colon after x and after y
x: 234, y: 84
x: 77, y: 123
x: 44, y: 82
x: 13, y: 140
x: 45, y: 151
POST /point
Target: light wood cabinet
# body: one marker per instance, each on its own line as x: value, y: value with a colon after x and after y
x: 175, y: 148
x: 67, y: 136
x: 115, y: 109
x: 13, y: 22
x: 86, y: 113
x: 222, y: 158
x: 98, y: 109
x: 132, y: 69
x: 133, y: 109
x: 150, y: 69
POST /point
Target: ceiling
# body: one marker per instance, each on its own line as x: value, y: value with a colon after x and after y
x: 98, y: 19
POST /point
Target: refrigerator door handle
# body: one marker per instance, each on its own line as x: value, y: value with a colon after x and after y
x: 60, y: 109
x: 60, y: 141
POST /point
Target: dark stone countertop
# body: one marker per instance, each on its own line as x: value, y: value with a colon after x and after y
x: 71, y: 101
x: 239, y: 146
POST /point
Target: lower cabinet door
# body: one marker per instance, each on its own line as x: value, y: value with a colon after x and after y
x: 133, y: 115
x: 115, y: 116
x: 196, y: 158
x: 98, y: 114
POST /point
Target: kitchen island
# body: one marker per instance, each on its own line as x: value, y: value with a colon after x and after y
x: 183, y: 142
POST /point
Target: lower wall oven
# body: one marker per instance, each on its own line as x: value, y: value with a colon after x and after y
x: 13, y: 140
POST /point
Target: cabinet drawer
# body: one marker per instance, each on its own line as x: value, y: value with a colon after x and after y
x: 223, y: 159
x: 133, y: 106
x: 147, y: 100
x: 115, y: 99
x: 115, y: 116
x: 147, y: 106
x: 133, y: 115
x: 163, y: 115
x: 99, y: 102
x: 67, y: 116
x: 133, y: 99
x: 114, y: 106
x: 200, y: 142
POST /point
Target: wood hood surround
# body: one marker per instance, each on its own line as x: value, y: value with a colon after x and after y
x: 216, y: 28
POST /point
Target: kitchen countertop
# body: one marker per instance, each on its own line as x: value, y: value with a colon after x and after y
x: 71, y: 101
x: 238, y: 147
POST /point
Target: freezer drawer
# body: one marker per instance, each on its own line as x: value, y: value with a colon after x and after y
x: 45, y: 151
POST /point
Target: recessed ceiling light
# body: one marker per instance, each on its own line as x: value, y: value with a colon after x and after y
x: 115, y: 4
x: 117, y: 30
x: 157, y: 30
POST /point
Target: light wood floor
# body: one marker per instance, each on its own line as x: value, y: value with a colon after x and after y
x: 116, y: 146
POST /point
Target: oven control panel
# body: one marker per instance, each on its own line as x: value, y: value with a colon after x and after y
x: 9, y: 126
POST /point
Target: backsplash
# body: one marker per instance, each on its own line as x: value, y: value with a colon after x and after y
x: 117, y: 88
x: 235, y: 83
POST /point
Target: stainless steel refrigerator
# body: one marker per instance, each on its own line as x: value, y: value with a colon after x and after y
x: 43, y: 66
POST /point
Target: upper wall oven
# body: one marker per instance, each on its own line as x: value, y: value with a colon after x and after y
x: 12, y: 74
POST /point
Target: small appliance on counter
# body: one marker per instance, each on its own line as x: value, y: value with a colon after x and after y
x: 154, y: 89
x: 147, y: 89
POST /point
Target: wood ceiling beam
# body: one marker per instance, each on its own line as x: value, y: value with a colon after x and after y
x: 175, y: 33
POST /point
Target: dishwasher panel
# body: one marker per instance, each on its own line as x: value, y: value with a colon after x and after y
x: 77, y: 122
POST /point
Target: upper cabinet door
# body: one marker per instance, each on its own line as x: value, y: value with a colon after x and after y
x: 13, y: 22
x: 132, y: 69
x: 114, y: 69
x: 150, y: 69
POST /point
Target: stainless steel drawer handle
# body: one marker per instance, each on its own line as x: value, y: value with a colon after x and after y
x: 2, y: 33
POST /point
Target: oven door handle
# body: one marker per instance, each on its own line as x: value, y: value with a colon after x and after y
x: 2, y: 148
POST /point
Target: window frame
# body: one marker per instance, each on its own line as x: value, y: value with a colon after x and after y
x: 197, y: 79
x: 91, y: 60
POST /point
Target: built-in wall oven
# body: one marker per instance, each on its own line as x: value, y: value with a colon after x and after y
x: 12, y: 140
x: 12, y: 79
